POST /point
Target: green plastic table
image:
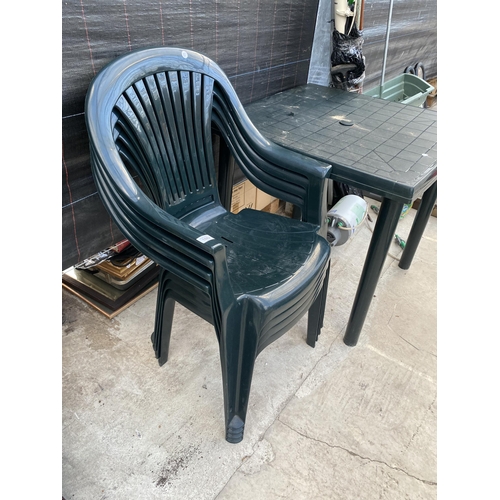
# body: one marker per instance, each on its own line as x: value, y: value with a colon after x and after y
x: 383, y: 147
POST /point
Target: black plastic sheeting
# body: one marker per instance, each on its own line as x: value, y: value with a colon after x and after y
x: 263, y: 46
x: 412, y: 38
x: 347, y: 49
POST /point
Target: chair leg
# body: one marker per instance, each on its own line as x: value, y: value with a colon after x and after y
x: 316, y: 313
x: 324, y: 296
x: 166, y: 329
x: 160, y: 299
x: 238, y: 350
x: 163, y: 319
x: 313, y: 321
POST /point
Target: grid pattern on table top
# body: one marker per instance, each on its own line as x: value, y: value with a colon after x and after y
x: 394, y: 141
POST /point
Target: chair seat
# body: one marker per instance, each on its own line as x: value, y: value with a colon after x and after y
x: 266, y: 251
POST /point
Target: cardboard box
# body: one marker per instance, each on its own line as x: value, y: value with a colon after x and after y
x: 244, y: 196
x: 273, y: 207
x: 237, y: 198
x: 263, y: 200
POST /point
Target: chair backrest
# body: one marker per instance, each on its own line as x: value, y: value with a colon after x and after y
x: 149, y: 116
x: 162, y: 129
x: 153, y: 111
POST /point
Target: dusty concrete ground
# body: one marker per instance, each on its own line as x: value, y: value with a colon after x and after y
x: 333, y: 422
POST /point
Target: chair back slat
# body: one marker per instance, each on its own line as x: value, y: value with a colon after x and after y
x: 162, y: 128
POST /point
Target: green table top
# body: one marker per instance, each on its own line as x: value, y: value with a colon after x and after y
x: 383, y: 147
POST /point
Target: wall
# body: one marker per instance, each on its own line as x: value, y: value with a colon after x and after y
x: 263, y: 46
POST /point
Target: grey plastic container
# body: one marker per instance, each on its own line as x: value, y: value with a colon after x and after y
x: 405, y: 88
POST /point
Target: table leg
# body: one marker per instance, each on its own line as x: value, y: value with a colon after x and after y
x: 383, y: 236
x: 417, y: 229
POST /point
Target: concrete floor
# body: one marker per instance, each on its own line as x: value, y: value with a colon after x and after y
x: 333, y: 422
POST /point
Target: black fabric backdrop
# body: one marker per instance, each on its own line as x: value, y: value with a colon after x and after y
x: 412, y: 39
x: 263, y: 46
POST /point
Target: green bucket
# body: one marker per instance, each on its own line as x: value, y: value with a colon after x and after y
x: 406, y: 89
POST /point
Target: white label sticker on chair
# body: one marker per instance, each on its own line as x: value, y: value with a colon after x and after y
x: 204, y: 238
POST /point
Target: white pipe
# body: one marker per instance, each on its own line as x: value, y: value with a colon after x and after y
x: 342, y: 12
x: 354, y: 20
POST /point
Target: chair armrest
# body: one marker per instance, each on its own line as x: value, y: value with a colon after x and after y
x: 313, y: 177
x: 276, y: 170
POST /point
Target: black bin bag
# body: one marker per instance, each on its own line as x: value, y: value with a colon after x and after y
x: 337, y: 190
x: 347, y: 51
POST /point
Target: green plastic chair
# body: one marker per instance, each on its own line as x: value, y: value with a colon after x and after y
x: 150, y: 116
